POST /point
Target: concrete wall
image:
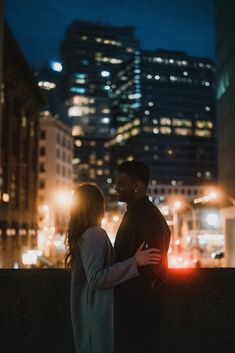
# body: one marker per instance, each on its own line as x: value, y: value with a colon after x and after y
x: 199, y: 314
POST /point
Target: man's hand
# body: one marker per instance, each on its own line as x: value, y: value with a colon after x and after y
x: 147, y: 257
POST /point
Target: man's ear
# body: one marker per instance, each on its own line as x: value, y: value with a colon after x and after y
x: 137, y: 186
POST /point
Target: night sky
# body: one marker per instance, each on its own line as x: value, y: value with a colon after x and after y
x: 185, y: 25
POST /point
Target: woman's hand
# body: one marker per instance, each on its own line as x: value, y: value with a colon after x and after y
x: 147, y: 257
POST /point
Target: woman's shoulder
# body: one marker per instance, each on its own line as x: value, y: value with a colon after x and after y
x: 94, y: 231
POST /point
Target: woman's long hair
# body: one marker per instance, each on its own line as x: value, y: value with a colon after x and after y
x: 87, y: 210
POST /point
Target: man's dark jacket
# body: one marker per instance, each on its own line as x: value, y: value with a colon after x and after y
x: 142, y: 222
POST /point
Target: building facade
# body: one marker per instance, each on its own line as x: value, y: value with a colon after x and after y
x: 55, y: 173
x: 91, y: 53
x: 169, y: 110
x: 225, y: 57
x: 20, y: 105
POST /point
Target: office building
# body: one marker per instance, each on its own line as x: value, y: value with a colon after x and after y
x: 168, y: 110
x: 91, y: 53
x: 55, y: 173
x: 20, y: 105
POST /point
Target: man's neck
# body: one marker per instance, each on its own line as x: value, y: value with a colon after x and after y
x: 135, y: 198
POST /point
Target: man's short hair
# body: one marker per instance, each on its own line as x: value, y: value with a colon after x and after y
x: 135, y: 169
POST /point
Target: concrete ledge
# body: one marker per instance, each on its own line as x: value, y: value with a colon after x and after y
x: 199, y: 315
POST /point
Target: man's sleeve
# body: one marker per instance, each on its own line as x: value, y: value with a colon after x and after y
x: 157, y: 234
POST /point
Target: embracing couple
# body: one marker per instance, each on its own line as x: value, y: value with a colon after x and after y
x: 116, y: 294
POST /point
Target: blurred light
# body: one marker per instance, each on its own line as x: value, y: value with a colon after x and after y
x: 56, y: 66
x: 164, y: 210
x: 212, y: 219
x: 36, y: 252
x: 211, y: 196
x: 29, y: 259
x: 104, y: 222
x: 177, y: 204
x: 5, y: 197
x: 63, y: 197
x: 105, y: 120
x: 105, y: 73
x: 115, y: 218
x: 45, y: 208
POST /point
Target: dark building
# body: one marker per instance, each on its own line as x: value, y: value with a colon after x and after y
x: 91, y: 53
x: 20, y: 105
x: 225, y: 59
x: 169, y: 110
x: 49, y: 79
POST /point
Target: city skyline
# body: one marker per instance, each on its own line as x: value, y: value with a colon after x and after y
x: 173, y: 25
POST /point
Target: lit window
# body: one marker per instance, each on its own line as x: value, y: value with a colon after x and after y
x: 99, y: 162
x: 173, y: 78
x: 105, y: 120
x: 183, y: 131
x: 150, y: 104
x: 74, y: 111
x: 119, y: 138
x: 105, y: 73
x: 100, y: 172
x: 80, y: 80
x: 92, y: 173
x: 56, y: 66
x: 76, y: 130
x: 78, y: 143
x: 77, y: 89
x: 155, y: 131
x: 135, y: 131
x: 146, y: 148
x: 185, y: 73
x: 182, y: 122
x: 155, y: 121
x: 171, y: 61
x: 136, y: 122
x: 157, y: 77
x: 203, y: 133
x: 207, y: 108
x: 84, y: 37
x: 107, y: 88
x: 79, y: 75
x: 165, y: 130
x: 149, y: 76
x: 146, y: 112
x: 47, y: 86
x: 165, y: 121
x: 204, y: 124
x: 158, y: 59
x: 170, y: 152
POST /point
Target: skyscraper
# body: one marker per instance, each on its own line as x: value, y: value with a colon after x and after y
x: 91, y: 53
x: 21, y: 102
x: 169, y: 111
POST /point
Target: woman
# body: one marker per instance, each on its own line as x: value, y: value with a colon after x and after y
x: 94, y: 273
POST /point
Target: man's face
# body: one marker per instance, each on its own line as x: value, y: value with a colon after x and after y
x: 125, y: 187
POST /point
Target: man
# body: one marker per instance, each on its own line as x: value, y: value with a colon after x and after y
x: 138, y: 302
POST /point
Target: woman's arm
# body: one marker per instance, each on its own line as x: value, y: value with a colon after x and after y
x: 94, y: 250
